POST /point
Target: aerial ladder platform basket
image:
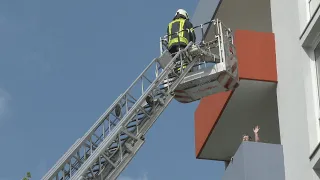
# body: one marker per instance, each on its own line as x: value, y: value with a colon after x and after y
x: 110, y: 144
x: 216, y: 70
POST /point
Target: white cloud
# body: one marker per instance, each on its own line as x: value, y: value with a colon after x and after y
x: 144, y: 177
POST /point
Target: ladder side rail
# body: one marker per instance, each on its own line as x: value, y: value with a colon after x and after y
x: 130, y: 156
x: 132, y: 107
x: 88, y: 150
x: 148, y: 124
x: 112, y: 136
x: 221, y: 38
x: 173, y: 86
x: 67, y: 156
x: 71, y: 151
x: 128, y: 113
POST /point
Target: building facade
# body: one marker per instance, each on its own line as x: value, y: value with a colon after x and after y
x: 278, y: 52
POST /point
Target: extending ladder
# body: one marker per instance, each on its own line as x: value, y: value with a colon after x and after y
x: 110, y: 144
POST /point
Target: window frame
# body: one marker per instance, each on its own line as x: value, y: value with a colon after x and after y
x: 315, y: 77
x: 316, y: 74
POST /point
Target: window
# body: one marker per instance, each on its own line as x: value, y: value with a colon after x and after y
x: 314, y: 122
x: 317, y: 61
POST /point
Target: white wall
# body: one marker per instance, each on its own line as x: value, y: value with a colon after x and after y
x: 291, y: 92
x: 304, y: 14
x: 313, y: 5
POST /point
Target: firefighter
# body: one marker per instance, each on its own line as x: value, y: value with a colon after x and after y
x: 181, y: 24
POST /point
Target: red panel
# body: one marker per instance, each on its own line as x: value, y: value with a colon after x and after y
x: 256, y: 55
x: 257, y: 61
x: 206, y: 116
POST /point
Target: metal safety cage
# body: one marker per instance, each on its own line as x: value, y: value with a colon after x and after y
x: 228, y: 50
x: 109, y: 145
x: 217, y: 53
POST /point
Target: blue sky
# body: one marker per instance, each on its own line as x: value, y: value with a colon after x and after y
x: 62, y: 63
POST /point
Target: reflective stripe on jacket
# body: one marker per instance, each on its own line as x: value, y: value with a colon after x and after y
x: 185, y: 29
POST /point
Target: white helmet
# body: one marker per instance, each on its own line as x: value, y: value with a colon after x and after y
x: 183, y: 12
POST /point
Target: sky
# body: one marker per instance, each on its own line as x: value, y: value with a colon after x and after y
x: 63, y: 63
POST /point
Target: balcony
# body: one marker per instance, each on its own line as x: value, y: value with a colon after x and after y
x: 256, y: 161
x: 221, y: 119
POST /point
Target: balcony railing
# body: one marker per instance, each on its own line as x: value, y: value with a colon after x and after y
x: 256, y: 161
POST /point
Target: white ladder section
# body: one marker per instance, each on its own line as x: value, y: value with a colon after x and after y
x: 106, y: 149
x: 110, y: 144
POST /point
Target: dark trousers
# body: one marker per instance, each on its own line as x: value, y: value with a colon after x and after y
x: 173, y: 50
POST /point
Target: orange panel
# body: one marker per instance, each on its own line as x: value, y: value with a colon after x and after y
x: 256, y: 55
x: 206, y: 116
x: 257, y: 61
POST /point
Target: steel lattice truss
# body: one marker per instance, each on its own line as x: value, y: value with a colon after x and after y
x: 105, y: 150
x: 110, y: 144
